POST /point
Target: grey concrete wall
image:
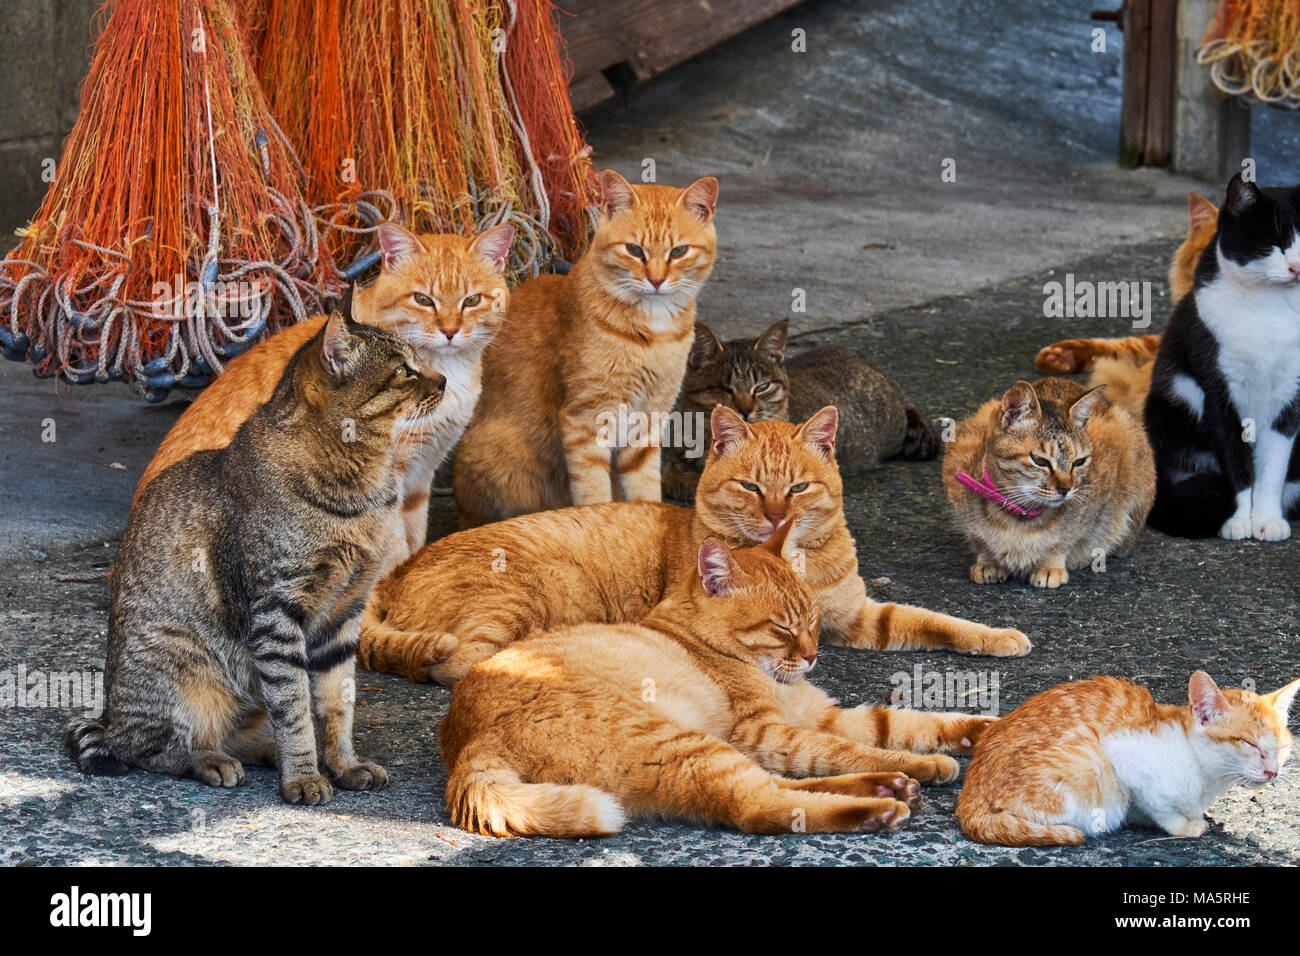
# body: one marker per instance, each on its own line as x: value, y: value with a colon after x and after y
x: 44, y: 54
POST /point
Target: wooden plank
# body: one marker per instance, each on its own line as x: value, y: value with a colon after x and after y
x: 589, y: 91
x: 1133, y: 112
x: 1162, y: 54
x: 1211, y: 132
x: 644, y: 37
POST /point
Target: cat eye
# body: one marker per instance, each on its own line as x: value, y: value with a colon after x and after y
x: 795, y: 489
x: 1080, y: 462
x: 677, y: 252
x: 750, y: 486
x: 635, y: 251
x: 762, y: 388
x: 472, y: 300
x: 422, y: 299
x: 1040, y: 462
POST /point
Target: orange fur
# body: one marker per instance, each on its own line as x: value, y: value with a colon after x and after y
x: 577, y: 347
x: 1124, y: 364
x: 465, y: 597
x: 700, y: 712
x: 1095, y: 493
x: 449, y: 269
x: 1083, y: 759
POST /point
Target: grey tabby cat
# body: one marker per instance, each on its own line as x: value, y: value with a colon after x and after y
x: 756, y: 379
x: 240, y: 579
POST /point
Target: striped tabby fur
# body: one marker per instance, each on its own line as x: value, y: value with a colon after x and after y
x: 242, y: 574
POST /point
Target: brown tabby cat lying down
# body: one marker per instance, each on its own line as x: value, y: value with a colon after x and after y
x: 699, y: 712
x: 1124, y: 365
x: 466, y: 596
x: 756, y: 379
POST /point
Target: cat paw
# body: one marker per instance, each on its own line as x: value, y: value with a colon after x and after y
x: 961, y: 734
x: 1003, y: 642
x: 885, y: 815
x: 1049, y: 577
x: 310, y: 791
x: 218, y: 770
x: 1186, y: 827
x: 987, y: 574
x: 938, y: 769
x: 1270, y: 529
x: 1235, y: 529
x: 362, y: 776
x: 1061, y: 358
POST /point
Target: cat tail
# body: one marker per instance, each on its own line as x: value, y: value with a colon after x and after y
x: 488, y: 797
x: 1127, y: 382
x: 1007, y: 829
x: 86, y: 742
x: 920, y: 442
x: 388, y: 649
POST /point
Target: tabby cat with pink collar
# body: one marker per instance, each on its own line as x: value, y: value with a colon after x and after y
x: 1047, y: 479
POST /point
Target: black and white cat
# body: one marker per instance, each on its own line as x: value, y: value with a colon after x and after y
x: 1224, y: 405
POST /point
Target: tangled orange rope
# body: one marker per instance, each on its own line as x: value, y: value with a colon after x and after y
x: 1252, y: 48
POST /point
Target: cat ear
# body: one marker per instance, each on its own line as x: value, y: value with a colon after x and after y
x: 700, y: 198
x: 728, y: 429
x: 1241, y: 196
x: 1207, y: 701
x: 616, y: 194
x: 1282, y: 699
x: 1019, y: 405
x: 719, y: 573
x: 772, y: 342
x: 706, y: 349
x: 819, y: 431
x: 494, y: 245
x: 338, y: 345
x: 775, y: 543
x: 397, y: 245
x: 1085, y: 405
x: 1201, y: 211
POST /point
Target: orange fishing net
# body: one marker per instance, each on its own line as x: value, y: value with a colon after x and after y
x: 190, y: 213
x: 1252, y: 48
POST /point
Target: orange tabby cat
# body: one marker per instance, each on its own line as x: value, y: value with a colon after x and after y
x: 1124, y: 365
x: 1086, y: 758
x: 464, y: 597
x: 444, y: 294
x: 699, y: 712
x: 611, y: 337
x: 1046, y: 479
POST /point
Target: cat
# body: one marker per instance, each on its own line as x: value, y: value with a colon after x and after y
x: 242, y: 573
x: 466, y: 596
x: 608, y: 340
x: 1120, y: 360
x: 700, y: 712
x: 1224, y: 405
x: 446, y: 295
x: 759, y: 382
x: 1046, y: 480
x: 1086, y: 758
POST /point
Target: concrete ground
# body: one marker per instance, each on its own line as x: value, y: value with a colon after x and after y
x: 830, y: 164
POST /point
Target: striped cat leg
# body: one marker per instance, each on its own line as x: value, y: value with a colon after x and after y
x: 917, y: 731
x: 638, y: 473
x: 884, y: 786
x: 850, y: 618
x: 333, y: 692
x: 279, y: 651
x: 588, y: 458
x: 783, y: 748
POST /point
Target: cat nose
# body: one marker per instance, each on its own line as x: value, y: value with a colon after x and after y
x: 811, y: 658
x: 1294, y: 267
x: 450, y: 333
x: 655, y: 282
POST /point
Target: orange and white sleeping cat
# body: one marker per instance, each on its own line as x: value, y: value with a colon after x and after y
x: 576, y: 352
x: 1086, y: 758
x: 444, y: 294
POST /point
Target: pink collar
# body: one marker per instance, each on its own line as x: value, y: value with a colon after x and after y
x: 986, y: 489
